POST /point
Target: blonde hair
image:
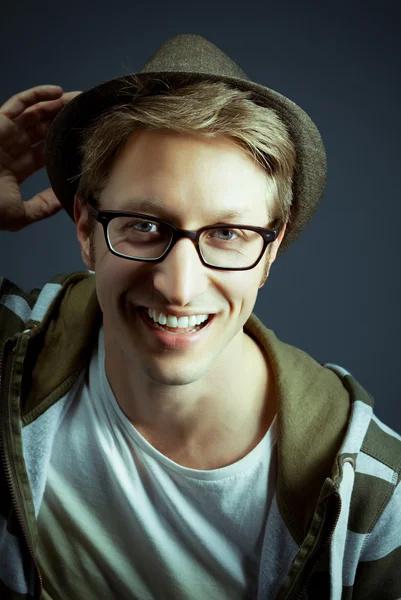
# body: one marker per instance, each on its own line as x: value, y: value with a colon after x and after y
x: 206, y: 108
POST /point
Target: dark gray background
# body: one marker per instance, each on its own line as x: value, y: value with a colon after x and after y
x: 336, y: 292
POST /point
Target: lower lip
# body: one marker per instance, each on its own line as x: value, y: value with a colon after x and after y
x: 173, y: 340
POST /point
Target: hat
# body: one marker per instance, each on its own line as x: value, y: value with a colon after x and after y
x: 187, y: 59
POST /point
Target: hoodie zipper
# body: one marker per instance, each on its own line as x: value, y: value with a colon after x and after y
x: 10, y: 468
x: 321, y: 550
x: 300, y: 584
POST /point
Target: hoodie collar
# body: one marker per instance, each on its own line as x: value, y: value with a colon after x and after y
x: 313, y: 412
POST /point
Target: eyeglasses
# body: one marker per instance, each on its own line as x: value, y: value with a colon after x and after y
x: 145, y: 238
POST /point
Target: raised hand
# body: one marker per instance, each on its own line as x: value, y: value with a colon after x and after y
x: 24, y: 122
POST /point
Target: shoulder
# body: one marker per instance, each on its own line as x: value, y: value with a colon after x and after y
x: 18, y: 307
x: 15, y: 307
x: 377, y: 476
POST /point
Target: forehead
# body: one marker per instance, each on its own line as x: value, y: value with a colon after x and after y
x: 168, y: 172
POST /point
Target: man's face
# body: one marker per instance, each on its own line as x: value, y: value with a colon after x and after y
x: 194, y: 180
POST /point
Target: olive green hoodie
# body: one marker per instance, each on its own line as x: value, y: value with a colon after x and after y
x: 338, y: 474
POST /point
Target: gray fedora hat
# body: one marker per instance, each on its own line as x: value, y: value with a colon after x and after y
x: 186, y: 59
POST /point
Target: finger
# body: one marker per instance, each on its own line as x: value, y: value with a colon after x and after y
x: 18, y: 135
x: 12, y: 148
x: 22, y: 142
x: 9, y: 131
x: 16, y: 105
x: 27, y: 163
x: 26, y: 139
x: 38, y: 134
x: 43, y: 111
x: 42, y: 206
x: 67, y: 96
x: 13, y: 139
x: 16, y: 141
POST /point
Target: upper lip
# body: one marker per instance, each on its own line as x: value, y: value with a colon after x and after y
x: 176, y: 313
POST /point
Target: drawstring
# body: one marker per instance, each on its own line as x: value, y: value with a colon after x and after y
x: 340, y: 532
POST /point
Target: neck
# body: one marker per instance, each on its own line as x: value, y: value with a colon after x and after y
x: 213, y: 419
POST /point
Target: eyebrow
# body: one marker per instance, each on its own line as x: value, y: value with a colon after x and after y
x: 146, y: 204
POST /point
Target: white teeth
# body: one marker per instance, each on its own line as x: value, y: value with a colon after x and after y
x: 171, y: 321
x: 181, y: 322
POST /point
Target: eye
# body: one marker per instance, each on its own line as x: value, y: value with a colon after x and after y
x: 122, y: 224
x: 230, y: 231
x: 140, y: 224
x: 233, y: 234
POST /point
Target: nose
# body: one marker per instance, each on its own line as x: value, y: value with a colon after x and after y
x: 181, y: 276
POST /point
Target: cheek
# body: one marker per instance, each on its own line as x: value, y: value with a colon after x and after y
x: 244, y: 289
x: 111, y: 282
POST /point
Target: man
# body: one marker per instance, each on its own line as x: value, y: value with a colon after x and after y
x: 157, y: 440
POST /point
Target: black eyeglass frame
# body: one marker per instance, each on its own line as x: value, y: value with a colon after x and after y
x: 105, y: 216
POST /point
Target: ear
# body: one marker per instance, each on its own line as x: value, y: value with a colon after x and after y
x: 276, y: 244
x: 273, y: 249
x: 81, y: 221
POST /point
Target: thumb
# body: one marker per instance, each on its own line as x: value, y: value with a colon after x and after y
x: 42, y: 206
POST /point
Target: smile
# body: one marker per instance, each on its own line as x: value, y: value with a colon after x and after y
x: 174, y: 337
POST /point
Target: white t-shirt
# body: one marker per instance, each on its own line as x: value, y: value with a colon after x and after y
x: 121, y: 520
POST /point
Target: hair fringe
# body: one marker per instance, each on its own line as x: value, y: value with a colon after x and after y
x: 207, y: 109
